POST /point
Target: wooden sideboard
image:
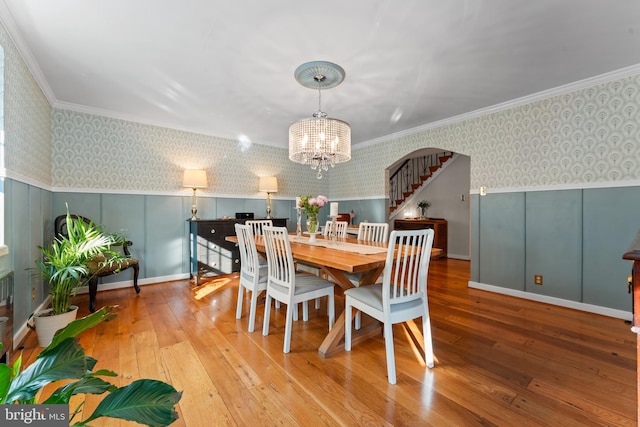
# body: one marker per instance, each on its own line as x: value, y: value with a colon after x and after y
x: 439, y: 226
x: 210, y: 253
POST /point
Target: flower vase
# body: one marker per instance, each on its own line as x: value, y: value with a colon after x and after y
x: 312, y: 226
x: 312, y: 222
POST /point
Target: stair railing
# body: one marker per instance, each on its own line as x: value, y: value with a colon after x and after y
x: 411, y: 172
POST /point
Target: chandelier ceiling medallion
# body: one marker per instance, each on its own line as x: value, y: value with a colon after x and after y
x: 320, y: 141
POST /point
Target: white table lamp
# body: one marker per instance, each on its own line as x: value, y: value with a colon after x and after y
x: 194, y: 178
x: 268, y: 184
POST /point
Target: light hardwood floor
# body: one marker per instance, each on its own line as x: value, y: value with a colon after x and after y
x: 500, y: 361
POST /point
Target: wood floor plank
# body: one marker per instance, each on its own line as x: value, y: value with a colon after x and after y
x: 500, y: 360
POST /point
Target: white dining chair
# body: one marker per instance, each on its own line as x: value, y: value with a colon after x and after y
x: 401, y: 296
x: 340, y: 227
x: 373, y: 231
x: 286, y: 285
x: 257, y: 224
x: 253, y: 276
x: 369, y: 232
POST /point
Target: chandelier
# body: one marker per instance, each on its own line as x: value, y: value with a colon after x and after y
x: 320, y: 141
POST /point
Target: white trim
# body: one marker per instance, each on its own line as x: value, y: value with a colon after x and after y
x: 20, y: 335
x: 462, y: 257
x: 590, y: 308
x: 142, y: 282
x: 23, y: 50
x: 349, y: 199
x: 517, y: 102
x: 578, y: 186
x: 25, y: 179
x: 117, y: 115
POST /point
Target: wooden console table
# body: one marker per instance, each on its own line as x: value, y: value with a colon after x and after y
x: 439, y: 226
x: 210, y: 253
x: 633, y: 254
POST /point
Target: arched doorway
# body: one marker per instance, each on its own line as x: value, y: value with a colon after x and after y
x: 446, y: 189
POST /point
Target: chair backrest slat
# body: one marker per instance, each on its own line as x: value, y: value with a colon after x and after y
x: 281, y: 269
x: 249, y: 258
x: 257, y: 225
x: 407, y: 266
x: 340, y: 226
x: 373, y: 231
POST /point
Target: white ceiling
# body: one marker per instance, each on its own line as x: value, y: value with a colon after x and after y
x: 225, y: 68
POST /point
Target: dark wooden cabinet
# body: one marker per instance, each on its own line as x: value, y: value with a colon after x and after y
x: 439, y: 226
x: 210, y: 253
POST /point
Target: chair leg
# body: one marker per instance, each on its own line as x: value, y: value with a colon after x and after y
x: 317, y: 304
x: 93, y: 290
x: 331, y: 309
x: 347, y: 326
x: 358, y: 320
x: 136, y: 273
x: 428, y: 342
x: 239, y: 304
x: 388, y: 344
x: 305, y: 311
x: 252, y: 309
x: 288, y: 326
x: 267, y: 314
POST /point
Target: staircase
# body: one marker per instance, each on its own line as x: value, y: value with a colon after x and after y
x: 413, y: 174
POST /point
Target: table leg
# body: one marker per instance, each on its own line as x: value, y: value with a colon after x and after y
x: 334, y: 341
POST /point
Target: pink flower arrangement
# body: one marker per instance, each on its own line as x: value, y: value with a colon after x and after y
x: 312, y: 204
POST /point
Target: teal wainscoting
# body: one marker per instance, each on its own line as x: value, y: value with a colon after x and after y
x: 371, y: 210
x: 611, y: 220
x: 501, y: 240
x: 553, y: 243
x: 28, y: 224
x: 573, y: 238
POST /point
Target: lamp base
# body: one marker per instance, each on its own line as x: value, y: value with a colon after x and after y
x: 194, y: 211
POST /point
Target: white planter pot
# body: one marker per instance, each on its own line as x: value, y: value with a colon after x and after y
x: 47, y: 325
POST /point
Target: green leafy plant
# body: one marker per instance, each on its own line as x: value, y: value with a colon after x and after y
x: 423, y: 204
x: 145, y: 401
x: 66, y: 261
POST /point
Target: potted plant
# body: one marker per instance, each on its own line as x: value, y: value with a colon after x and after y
x: 65, y: 265
x: 423, y: 205
x: 146, y: 401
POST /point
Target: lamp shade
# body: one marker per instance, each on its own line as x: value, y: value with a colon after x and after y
x: 194, y: 178
x: 268, y: 184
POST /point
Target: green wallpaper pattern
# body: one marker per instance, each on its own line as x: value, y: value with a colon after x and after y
x: 27, y: 118
x: 101, y: 153
x: 586, y: 136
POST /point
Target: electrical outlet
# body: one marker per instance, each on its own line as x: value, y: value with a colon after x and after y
x: 33, y: 293
x: 483, y: 190
x: 537, y: 279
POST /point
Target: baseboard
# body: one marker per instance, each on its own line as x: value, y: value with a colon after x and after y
x: 128, y: 283
x: 590, y: 308
x: 462, y: 257
x: 20, y: 335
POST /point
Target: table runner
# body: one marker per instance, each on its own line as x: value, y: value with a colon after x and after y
x: 341, y: 246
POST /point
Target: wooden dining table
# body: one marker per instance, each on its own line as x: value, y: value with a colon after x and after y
x: 334, y: 261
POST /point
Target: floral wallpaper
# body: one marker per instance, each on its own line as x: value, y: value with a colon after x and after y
x: 27, y: 120
x: 96, y: 152
x: 586, y: 136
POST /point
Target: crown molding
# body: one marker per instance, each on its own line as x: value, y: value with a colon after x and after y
x: 518, y: 102
x: 23, y: 50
